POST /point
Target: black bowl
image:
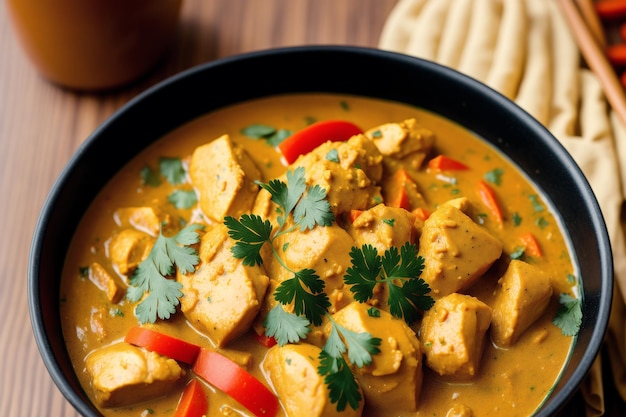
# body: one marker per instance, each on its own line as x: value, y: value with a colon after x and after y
x: 334, y: 69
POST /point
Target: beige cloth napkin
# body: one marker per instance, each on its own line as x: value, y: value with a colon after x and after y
x: 525, y: 50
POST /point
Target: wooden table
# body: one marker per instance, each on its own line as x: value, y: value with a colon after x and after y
x: 41, y: 126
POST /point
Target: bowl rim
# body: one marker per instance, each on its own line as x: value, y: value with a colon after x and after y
x: 43, y: 221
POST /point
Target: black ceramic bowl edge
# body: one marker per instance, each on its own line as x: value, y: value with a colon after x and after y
x: 72, y: 192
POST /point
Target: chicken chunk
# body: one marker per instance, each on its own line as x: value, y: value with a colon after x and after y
x: 223, y: 296
x: 383, y: 227
x: 523, y: 297
x: 146, y: 219
x: 402, y: 140
x: 324, y: 249
x: 293, y: 372
x: 457, y: 251
x: 351, y: 179
x: 128, y: 248
x: 453, y: 335
x: 105, y: 282
x: 393, y: 382
x: 123, y: 374
x: 224, y: 175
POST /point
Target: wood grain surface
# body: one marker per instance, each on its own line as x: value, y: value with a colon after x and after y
x: 41, y: 126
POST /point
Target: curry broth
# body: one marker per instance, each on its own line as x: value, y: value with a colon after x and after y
x: 511, y: 381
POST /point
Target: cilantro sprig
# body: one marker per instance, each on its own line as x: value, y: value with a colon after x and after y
x: 299, y: 206
x: 399, y: 270
x: 569, y: 316
x: 149, y: 283
x: 342, y: 385
x: 307, y: 207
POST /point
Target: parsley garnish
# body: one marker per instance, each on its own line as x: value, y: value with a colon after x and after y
x: 149, y: 281
x: 569, y: 316
x: 369, y: 268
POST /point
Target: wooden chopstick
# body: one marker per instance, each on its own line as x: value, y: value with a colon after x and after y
x: 590, y: 16
x: 596, y: 58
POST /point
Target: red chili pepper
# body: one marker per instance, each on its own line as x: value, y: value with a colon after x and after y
x: 163, y: 344
x: 312, y: 136
x: 227, y: 376
x: 445, y: 163
x: 193, y: 402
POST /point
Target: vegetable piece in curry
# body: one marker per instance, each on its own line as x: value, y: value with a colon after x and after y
x: 407, y: 269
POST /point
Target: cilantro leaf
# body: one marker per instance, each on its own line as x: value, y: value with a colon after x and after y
x: 361, y: 346
x: 405, y: 300
x: 172, y: 169
x: 250, y: 233
x: 333, y: 366
x: 569, y: 316
x: 313, y: 209
x: 342, y: 385
x: 286, y: 195
x: 278, y: 137
x: 183, y: 199
x: 285, y: 327
x: 369, y: 268
x: 149, y: 177
x: 306, y: 291
x: 258, y: 131
x: 160, y: 295
x: 272, y: 136
x: 494, y: 176
x: 333, y: 155
x: 363, y: 274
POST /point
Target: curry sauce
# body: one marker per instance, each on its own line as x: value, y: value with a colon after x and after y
x: 432, y: 378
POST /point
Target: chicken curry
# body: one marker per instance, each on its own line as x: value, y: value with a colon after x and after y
x: 319, y: 255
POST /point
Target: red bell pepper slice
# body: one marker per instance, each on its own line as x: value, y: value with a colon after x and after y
x: 227, y: 376
x: 193, y: 402
x: 531, y: 245
x: 267, y: 341
x: 312, y: 136
x: 397, y: 190
x: 489, y: 199
x: 163, y: 344
x: 445, y: 163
